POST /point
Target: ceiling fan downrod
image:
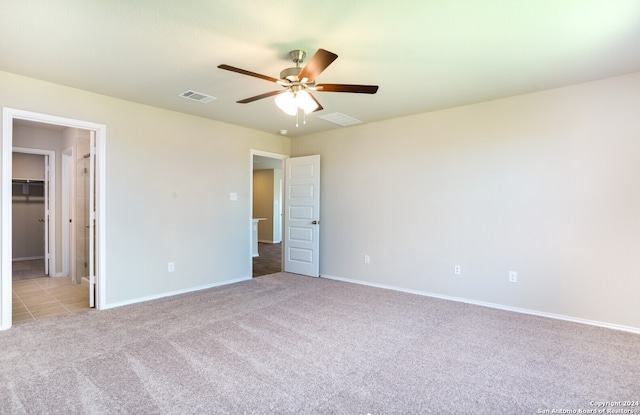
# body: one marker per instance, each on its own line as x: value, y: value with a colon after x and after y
x: 297, y: 56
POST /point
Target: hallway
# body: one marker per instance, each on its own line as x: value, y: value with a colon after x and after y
x: 269, y: 260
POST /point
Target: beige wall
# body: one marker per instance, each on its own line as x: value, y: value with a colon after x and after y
x: 168, y: 182
x: 267, y: 203
x: 263, y: 189
x: 544, y: 184
x: 28, y: 166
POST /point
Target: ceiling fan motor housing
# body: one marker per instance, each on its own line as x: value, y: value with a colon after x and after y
x: 291, y: 74
x: 297, y: 56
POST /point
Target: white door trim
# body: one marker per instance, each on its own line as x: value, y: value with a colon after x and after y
x: 92, y: 219
x: 8, y: 115
x: 50, y: 222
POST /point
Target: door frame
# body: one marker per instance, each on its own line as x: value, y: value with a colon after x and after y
x: 276, y: 156
x: 50, y: 217
x: 8, y: 115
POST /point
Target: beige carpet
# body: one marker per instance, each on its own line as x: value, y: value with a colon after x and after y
x: 286, y: 344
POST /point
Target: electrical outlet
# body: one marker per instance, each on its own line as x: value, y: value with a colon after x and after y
x: 171, y: 266
x: 457, y: 270
x: 367, y: 259
x: 513, y: 276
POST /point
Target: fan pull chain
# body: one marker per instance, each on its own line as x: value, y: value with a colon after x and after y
x: 297, y: 112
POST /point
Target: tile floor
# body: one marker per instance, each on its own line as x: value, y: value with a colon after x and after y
x: 37, y: 298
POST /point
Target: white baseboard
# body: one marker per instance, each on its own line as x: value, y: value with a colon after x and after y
x: 27, y: 258
x: 630, y: 329
x: 172, y: 293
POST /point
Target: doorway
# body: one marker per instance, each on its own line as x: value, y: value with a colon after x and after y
x: 299, y: 196
x: 97, y: 255
x: 33, y: 220
x: 267, y: 212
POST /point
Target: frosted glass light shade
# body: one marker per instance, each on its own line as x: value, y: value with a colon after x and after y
x: 305, y: 102
x: 287, y: 103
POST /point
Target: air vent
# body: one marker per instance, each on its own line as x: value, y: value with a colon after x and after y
x: 340, y: 119
x: 197, y: 96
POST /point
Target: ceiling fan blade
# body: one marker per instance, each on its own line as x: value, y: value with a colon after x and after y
x: 317, y: 64
x: 261, y: 96
x: 249, y: 73
x: 354, y: 89
x: 317, y: 102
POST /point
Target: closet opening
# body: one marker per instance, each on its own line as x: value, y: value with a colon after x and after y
x: 29, y: 199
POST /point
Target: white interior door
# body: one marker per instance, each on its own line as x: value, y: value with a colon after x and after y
x: 302, y: 215
x: 67, y: 217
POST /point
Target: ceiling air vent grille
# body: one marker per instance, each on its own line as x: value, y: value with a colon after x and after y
x: 197, y: 96
x: 340, y: 119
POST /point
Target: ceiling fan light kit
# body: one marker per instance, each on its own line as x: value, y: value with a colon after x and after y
x: 290, y: 101
x: 298, y: 81
x: 287, y: 103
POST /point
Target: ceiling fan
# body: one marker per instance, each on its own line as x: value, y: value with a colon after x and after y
x: 298, y: 81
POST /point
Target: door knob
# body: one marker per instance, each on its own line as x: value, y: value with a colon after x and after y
x: 315, y: 222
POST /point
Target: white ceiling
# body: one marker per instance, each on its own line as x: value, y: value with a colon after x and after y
x: 424, y: 54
